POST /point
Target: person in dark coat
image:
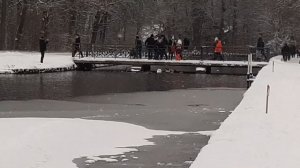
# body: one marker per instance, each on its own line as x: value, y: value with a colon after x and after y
x: 293, y: 50
x: 285, y: 51
x: 150, y: 43
x: 138, y: 47
x: 77, y: 46
x: 260, y: 47
x: 186, y: 43
x: 43, y: 47
x: 162, y: 47
x: 172, y: 47
x: 156, y: 49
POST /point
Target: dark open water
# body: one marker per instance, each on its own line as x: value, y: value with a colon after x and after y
x: 60, y: 86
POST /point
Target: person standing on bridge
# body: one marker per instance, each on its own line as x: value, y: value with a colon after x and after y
x: 43, y: 46
x: 179, y: 48
x: 77, y: 46
x: 218, y: 51
x: 150, y: 44
x: 138, y: 47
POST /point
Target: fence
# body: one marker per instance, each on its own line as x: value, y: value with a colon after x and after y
x: 231, y: 53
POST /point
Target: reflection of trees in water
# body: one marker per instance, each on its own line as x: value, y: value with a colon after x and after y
x: 73, y: 84
x: 41, y: 87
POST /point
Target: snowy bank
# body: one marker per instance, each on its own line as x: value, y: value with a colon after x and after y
x: 29, y: 62
x: 250, y: 138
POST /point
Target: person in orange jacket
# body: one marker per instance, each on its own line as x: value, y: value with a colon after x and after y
x: 218, y: 49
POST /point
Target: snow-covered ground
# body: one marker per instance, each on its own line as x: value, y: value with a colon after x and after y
x: 18, y: 62
x: 250, y: 138
x: 49, y: 143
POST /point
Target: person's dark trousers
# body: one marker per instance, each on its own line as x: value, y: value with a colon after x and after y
x: 156, y: 54
x: 262, y: 51
x: 150, y: 53
x: 289, y: 57
x: 218, y: 56
x: 139, y: 53
x: 75, y: 51
x: 284, y: 58
x: 171, y: 55
x: 42, y: 56
x: 164, y: 54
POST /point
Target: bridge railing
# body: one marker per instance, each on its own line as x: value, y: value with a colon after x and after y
x: 231, y: 53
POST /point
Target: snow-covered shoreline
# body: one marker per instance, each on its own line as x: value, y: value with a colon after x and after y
x: 29, y: 62
x: 251, y: 138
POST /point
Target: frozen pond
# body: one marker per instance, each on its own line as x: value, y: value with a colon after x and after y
x: 169, y: 102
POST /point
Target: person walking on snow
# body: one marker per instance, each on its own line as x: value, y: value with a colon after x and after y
x: 218, y: 49
x: 293, y: 50
x: 260, y: 47
x: 43, y: 47
x: 77, y: 46
x: 285, y: 51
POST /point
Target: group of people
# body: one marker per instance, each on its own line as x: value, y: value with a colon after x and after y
x: 289, y: 51
x: 159, y: 47
x: 43, y: 42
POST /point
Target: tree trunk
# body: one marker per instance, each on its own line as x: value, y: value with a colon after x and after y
x: 95, y: 27
x: 222, y: 21
x: 103, y: 24
x: 45, y: 23
x: 72, y: 19
x: 3, y: 24
x: 22, y: 17
x: 234, y: 22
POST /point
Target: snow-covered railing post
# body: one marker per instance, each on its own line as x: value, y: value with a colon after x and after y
x: 273, y: 68
x: 267, y: 102
x: 93, y: 50
x: 250, y: 72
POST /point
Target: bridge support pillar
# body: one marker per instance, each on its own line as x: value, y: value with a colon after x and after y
x: 208, y: 70
x: 84, y: 67
x: 146, y: 68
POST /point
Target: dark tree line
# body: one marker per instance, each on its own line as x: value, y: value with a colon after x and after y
x: 236, y: 22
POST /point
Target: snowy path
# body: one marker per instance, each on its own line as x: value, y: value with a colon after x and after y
x: 250, y: 138
x: 29, y: 62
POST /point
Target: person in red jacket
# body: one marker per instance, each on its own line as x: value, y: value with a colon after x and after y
x: 218, y: 50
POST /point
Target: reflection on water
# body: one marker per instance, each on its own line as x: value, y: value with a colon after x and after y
x: 73, y: 84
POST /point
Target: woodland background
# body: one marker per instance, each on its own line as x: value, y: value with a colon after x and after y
x: 105, y: 22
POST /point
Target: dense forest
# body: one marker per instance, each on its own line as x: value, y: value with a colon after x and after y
x: 104, y: 22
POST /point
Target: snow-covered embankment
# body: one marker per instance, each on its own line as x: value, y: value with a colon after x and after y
x: 250, y: 138
x: 29, y: 62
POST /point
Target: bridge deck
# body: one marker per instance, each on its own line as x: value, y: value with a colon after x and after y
x: 141, y: 62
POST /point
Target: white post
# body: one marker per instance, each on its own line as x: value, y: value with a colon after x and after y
x: 251, y: 66
x: 267, y: 102
x: 248, y: 72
